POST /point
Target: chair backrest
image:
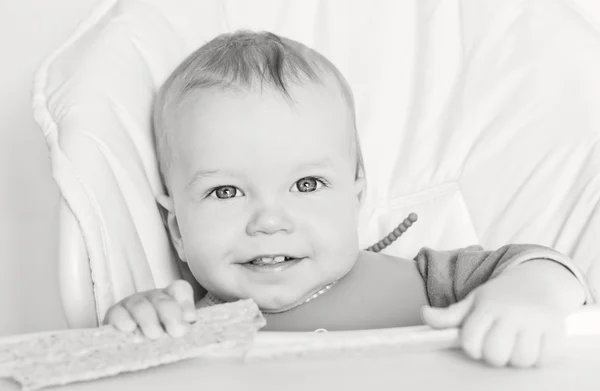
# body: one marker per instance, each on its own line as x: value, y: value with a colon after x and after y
x: 480, y: 116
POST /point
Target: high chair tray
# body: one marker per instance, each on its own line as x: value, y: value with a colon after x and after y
x: 426, y: 360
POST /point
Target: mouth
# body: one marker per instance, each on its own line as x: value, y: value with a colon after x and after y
x: 270, y: 259
x: 271, y: 262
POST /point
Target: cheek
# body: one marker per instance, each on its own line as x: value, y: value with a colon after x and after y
x: 208, y: 238
x: 335, y: 224
x: 207, y: 233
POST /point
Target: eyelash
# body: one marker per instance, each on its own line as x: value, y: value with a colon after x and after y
x: 318, y: 179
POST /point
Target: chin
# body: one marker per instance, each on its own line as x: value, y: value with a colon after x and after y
x: 276, y: 302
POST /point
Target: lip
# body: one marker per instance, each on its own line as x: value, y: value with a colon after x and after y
x: 273, y: 255
x: 272, y: 268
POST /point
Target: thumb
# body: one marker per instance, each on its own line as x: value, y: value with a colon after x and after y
x: 451, y: 316
x: 183, y: 293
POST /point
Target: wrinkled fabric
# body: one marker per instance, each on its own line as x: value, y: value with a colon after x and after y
x: 479, y: 115
x: 450, y: 276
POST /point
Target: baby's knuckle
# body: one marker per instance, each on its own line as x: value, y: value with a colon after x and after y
x: 141, y: 308
x: 179, y: 287
x: 515, y: 319
x: 180, y: 284
x: 159, y: 297
x: 135, y: 301
x: 169, y: 308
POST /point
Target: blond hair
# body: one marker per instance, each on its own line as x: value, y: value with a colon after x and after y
x: 242, y: 60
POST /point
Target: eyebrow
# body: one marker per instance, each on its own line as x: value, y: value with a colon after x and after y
x: 323, y: 163
x: 201, y: 174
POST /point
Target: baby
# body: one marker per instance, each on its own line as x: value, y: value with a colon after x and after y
x: 259, y: 153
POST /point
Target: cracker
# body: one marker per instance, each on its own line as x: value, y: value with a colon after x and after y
x: 85, y: 354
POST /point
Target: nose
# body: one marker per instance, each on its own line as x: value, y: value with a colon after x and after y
x: 269, y: 220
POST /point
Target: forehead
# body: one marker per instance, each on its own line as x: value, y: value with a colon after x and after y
x: 229, y: 127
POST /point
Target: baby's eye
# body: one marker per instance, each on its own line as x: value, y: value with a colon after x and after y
x: 309, y: 184
x: 224, y: 192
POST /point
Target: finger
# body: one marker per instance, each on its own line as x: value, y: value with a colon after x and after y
x: 473, y: 332
x: 170, y: 313
x: 552, y: 346
x: 526, y: 350
x: 451, y: 316
x: 119, y: 317
x: 144, y: 314
x: 498, y: 343
x: 183, y: 293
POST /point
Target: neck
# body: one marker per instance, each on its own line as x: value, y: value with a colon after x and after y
x: 214, y: 300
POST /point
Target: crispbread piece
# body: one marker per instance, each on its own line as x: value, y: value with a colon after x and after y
x: 85, y: 354
x: 31, y: 349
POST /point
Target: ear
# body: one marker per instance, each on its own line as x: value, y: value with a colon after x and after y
x: 168, y: 211
x: 359, y: 189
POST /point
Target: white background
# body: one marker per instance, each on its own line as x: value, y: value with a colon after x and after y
x: 29, y: 31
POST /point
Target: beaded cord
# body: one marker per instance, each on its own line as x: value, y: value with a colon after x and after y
x: 395, y: 234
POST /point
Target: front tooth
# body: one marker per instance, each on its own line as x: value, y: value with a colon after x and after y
x: 270, y: 260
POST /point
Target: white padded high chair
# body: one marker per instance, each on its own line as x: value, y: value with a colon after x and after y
x: 481, y: 116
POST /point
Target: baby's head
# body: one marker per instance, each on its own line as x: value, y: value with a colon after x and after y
x: 257, y: 146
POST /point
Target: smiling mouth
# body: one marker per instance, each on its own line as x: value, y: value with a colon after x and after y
x: 270, y: 260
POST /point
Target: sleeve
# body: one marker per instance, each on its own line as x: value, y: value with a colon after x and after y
x: 450, y: 276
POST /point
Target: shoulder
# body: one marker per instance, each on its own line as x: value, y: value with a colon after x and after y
x: 388, y: 289
x: 376, y: 273
x: 386, y: 266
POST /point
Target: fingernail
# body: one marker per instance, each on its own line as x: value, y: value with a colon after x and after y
x: 154, y: 332
x: 126, y: 325
x: 190, y: 315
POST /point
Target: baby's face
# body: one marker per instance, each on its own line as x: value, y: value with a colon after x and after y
x: 255, y: 177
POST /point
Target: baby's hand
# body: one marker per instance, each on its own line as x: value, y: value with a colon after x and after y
x: 504, y: 325
x: 172, y: 308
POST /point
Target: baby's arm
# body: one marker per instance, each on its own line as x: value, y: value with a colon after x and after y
x: 510, y: 304
x: 170, y: 309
